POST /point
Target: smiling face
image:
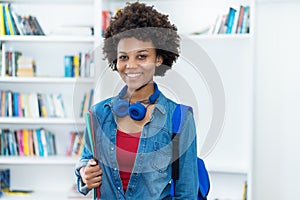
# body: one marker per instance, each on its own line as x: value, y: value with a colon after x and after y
x: 136, y: 62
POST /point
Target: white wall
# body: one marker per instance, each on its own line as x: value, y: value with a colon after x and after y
x: 277, y: 101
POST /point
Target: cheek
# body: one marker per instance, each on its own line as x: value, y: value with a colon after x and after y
x: 120, y: 66
x: 150, y: 68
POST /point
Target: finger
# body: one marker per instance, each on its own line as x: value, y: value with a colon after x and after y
x: 91, y: 175
x: 93, y: 169
x: 92, y: 162
x: 94, y: 182
x: 94, y: 185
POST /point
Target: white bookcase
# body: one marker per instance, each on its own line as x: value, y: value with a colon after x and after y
x: 229, y: 163
x: 50, y: 177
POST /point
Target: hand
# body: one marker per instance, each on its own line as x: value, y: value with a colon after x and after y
x: 91, y: 174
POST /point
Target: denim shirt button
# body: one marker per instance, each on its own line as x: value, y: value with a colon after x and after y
x: 115, y: 169
x: 119, y: 188
x: 112, y: 148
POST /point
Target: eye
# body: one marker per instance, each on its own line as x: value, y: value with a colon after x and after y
x: 142, y: 56
x: 122, y: 57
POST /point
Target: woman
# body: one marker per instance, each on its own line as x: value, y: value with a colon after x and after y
x: 133, y: 130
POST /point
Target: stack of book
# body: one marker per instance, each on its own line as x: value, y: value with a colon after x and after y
x: 27, y: 142
x: 33, y: 105
x: 87, y: 102
x: 26, y: 66
x: 75, y: 144
x: 79, y: 65
x: 234, y: 22
x: 14, y: 24
x: 4, y: 180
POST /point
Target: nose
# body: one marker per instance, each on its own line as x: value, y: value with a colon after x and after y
x: 131, y: 64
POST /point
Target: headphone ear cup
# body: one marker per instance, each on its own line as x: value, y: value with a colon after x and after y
x: 137, y: 111
x: 120, y: 108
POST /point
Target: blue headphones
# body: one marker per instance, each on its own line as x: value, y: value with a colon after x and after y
x: 137, y: 110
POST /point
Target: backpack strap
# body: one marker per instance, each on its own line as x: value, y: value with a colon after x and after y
x: 178, y: 117
x: 177, y: 122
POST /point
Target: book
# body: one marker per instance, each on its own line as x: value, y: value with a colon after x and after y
x: 106, y: 16
x: 16, y: 19
x: 10, y: 22
x: 58, y: 105
x: 16, y: 104
x: 68, y: 65
x: 25, y: 142
x: 26, y: 66
x: 30, y: 142
x: 44, y: 142
x: 42, y: 106
x: 245, y: 19
x: 70, y: 143
x: 20, y: 142
x: 240, y: 19
x: 9, y: 103
x: 78, y: 144
x: 3, y: 59
x: 222, y: 27
x: 37, y: 25
x: 76, y: 65
x: 230, y: 20
x: 2, y: 25
x: 15, y: 56
x: 6, y: 23
x: 39, y: 141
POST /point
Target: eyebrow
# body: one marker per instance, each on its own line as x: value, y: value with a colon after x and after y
x: 140, y: 51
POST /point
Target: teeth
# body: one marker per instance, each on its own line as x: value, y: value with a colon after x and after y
x: 133, y: 75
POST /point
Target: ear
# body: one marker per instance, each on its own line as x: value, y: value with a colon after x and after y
x: 159, y: 60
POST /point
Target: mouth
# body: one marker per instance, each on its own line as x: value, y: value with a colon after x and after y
x: 133, y: 75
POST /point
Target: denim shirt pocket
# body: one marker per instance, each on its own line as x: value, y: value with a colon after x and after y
x: 162, y: 156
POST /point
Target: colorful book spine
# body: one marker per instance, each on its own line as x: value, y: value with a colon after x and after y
x: 245, y: 19
x: 240, y: 20
x: 20, y: 142
x: 11, y: 27
x: 230, y: 20
x: 2, y: 23
x: 7, y: 31
x: 68, y: 65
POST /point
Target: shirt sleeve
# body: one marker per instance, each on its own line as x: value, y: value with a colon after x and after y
x: 186, y: 186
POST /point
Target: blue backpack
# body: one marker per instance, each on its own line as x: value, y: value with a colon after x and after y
x: 203, y: 178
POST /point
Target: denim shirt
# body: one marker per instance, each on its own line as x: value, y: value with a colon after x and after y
x: 151, y: 174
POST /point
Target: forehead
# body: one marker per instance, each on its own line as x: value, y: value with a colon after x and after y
x: 133, y: 44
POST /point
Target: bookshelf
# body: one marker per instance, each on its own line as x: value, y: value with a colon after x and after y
x: 64, y: 23
x: 230, y: 161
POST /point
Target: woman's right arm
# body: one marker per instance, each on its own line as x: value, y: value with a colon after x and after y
x: 81, y: 168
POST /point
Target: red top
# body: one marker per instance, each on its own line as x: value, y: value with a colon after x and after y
x: 127, y: 145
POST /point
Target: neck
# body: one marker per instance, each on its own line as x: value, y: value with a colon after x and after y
x: 142, y: 93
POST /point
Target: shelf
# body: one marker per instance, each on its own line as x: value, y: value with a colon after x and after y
x: 50, y: 160
x: 48, y: 195
x: 229, y: 169
x: 22, y: 120
x: 41, y: 38
x: 220, y: 36
x: 50, y: 1
x: 44, y: 80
